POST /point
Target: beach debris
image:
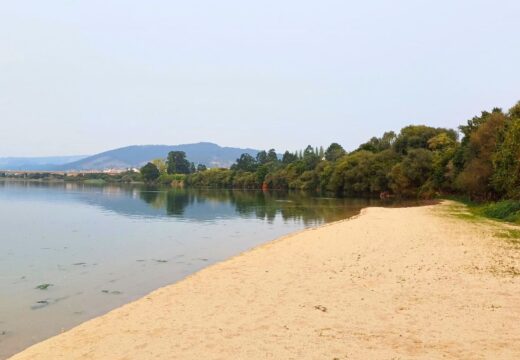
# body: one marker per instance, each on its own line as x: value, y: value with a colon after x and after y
x: 321, y: 308
x: 79, y: 264
x: 43, y: 303
x: 43, y: 286
x: 160, y: 261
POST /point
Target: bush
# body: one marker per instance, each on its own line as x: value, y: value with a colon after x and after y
x: 508, y: 210
x: 168, y: 179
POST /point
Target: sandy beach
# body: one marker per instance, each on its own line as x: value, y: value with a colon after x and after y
x: 405, y: 283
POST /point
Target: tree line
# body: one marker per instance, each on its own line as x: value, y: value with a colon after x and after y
x: 173, y: 169
x: 419, y: 161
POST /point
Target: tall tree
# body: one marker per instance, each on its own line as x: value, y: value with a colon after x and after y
x: 408, y: 176
x: 334, y: 152
x: 289, y: 158
x: 177, y: 163
x: 245, y: 163
x: 261, y: 158
x: 310, y: 158
x: 482, y: 134
x: 150, y: 172
x: 506, y: 159
x: 321, y: 153
x: 272, y: 157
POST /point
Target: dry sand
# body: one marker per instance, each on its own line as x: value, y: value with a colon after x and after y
x: 410, y: 283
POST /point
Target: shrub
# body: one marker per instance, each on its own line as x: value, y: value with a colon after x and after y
x: 508, y: 210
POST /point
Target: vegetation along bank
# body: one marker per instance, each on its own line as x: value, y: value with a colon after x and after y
x: 483, y: 164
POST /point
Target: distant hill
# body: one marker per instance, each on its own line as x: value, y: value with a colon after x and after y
x: 209, y: 154
x: 37, y: 163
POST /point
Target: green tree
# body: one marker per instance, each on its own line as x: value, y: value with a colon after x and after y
x: 161, y: 165
x: 150, y: 172
x: 261, y: 173
x: 245, y: 163
x: 176, y: 163
x: 334, y: 152
x: 376, y: 144
x: 261, y: 158
x: 289, y: 158
x: 272, y: 157
x: 444, y: 148
x: 357, y: 173
x: 410, y: 175
x: 310, y: 158
x: 506, y: 159
x: 481, y: 136
x: 417, y: 137
x: 278, y: 179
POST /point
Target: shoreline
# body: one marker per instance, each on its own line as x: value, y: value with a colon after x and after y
x: 360, y: 287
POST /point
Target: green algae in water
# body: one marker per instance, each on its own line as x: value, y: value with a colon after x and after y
x: 43, y: 286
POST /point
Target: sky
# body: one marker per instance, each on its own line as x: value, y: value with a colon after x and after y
x: 81, y: 77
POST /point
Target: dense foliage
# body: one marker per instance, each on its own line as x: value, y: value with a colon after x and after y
x: 125, y: 177
x: 176, y: 163
x: 150, y: 172
x: 420, y: 161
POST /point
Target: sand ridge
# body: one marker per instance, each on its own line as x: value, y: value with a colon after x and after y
x: 407, y: 283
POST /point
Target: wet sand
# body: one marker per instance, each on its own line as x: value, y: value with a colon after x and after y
x: 407, y: 283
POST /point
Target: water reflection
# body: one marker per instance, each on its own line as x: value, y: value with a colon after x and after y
x: 204, y: 204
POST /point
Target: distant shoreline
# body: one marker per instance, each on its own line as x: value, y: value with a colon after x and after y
x: 408, y: 282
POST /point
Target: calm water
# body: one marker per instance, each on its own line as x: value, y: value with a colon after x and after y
x: 101, y: 247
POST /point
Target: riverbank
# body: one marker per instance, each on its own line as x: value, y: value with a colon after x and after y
x: 420, y: 282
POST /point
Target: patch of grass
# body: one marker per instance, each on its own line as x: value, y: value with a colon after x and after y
x: 507, y: 210
x: 511, y: 235
x: 462, y: 212
x: 480, y: 212
x: 466, y: 216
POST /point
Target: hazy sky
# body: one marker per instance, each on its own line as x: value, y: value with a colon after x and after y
x: 79, y: 77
